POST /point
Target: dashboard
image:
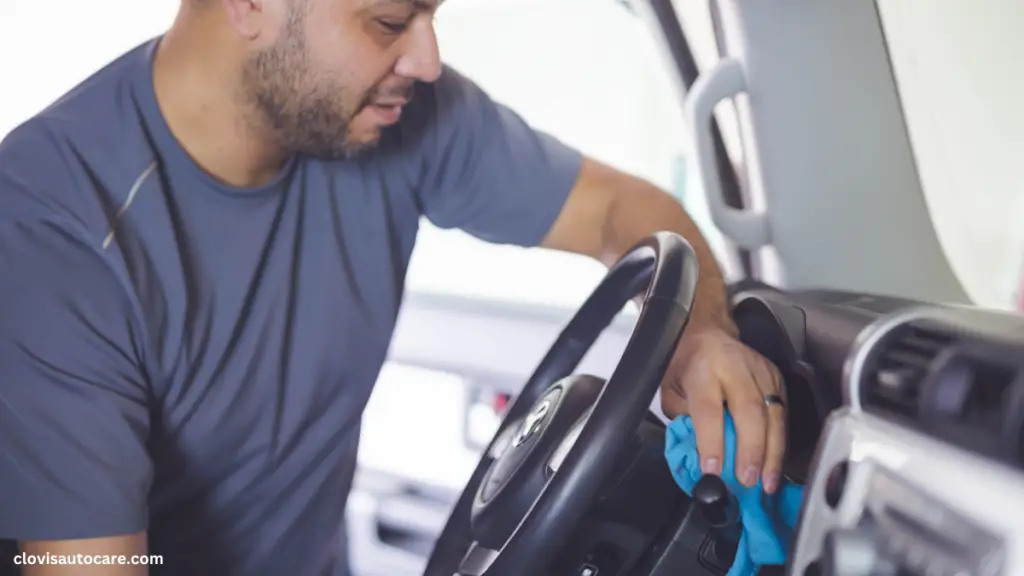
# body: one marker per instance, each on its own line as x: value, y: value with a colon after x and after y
x: 808, y: 336
x: 907, y: 425
x: 922, y: 470
x: 643, y: 525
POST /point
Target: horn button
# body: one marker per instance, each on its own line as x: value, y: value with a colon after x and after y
x: 518, y: 475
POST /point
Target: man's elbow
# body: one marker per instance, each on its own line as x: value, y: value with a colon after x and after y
x: 608, y: 211
x: 636, y: 209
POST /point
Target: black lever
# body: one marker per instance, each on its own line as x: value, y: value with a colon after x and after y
x: 721, y: 511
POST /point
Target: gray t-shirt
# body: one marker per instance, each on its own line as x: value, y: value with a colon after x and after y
x: 192, y: 359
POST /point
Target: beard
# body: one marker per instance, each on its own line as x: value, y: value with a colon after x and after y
x: 304, y: 110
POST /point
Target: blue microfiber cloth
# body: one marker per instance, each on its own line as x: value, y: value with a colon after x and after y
x: 768, y: 519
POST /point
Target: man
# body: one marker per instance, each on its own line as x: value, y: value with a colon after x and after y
x: 203, y: 250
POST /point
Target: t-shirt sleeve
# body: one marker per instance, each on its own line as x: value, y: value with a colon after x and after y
x: 484, y: 169
x: 74, y: 414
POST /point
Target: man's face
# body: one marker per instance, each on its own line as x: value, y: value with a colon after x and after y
x: 339, y: 71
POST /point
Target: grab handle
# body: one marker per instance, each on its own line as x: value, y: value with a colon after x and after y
x: 747, y: 229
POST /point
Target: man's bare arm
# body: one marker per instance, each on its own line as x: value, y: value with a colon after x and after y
x: 104, y: 556
x: 609, y: 211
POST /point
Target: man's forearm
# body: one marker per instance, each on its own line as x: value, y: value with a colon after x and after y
x: 645, y: 209
x: 609, y: 211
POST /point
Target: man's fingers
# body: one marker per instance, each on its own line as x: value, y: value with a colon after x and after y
x: 775, y: 449
x: 707, y: 414
x: 721, y: 372
x: 746, y: 403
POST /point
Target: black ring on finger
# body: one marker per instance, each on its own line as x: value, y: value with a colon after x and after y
x: 770, y: 399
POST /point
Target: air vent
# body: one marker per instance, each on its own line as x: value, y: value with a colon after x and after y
x: 893, y: 381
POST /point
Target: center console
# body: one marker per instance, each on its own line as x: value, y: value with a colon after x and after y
x: 922, y: 471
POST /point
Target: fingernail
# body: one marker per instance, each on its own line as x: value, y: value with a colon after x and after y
x: 749, y: 477
x: 711, y: 466
x: 771, y: 483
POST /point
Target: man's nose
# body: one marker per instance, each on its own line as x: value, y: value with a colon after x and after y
x: 421, y: 58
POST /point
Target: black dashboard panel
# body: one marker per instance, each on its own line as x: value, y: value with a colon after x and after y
x: 954, y: 373
x: 831, y: 321
x: 808, y: 335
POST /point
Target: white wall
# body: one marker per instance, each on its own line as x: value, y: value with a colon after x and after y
x: 959, y: 68
x: 48, y: 47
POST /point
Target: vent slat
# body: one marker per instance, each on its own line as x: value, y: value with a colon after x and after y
x: 905, y: 358
x: 894, y: 385
x: 924, y: 345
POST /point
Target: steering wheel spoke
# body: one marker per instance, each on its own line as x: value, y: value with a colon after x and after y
x: 503, y: 442
x: 565, y: 446
x: 477, y: 560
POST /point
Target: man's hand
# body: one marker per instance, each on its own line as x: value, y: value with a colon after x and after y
x: 712, y: 369
x: 607, y: 212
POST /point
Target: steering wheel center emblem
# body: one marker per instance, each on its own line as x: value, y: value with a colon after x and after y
x: 532, y: 422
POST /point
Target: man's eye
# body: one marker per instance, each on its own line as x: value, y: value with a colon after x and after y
x: 392, y: 26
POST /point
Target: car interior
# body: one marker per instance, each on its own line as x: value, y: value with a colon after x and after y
x: 814, y: 132
x: 904, y: 395
x: 905, y: 426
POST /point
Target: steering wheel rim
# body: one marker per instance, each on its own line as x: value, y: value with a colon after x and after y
x: 666, y: 264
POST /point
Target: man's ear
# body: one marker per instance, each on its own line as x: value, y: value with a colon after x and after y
x: 251, y: 18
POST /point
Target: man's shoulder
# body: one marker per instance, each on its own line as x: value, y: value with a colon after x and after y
x: 65, y: 160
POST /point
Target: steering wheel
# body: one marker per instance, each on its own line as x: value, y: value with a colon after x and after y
x: 563, y: 435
